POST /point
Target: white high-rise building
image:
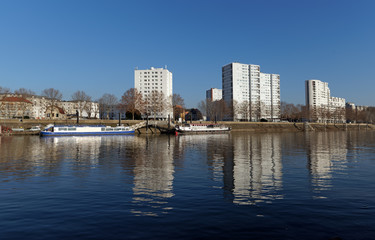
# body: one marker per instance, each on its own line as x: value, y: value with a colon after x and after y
x: 158, y: 80
x: 252, y: 94
x: 214, y: 94
x: 317, y: 93
x: 322, y: 107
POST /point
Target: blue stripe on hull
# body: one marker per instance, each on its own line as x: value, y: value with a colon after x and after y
x: 85, y: 133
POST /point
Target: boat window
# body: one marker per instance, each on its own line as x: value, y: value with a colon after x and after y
x: 72, y: 129
x: 103, y: 129
x: 63, y: 129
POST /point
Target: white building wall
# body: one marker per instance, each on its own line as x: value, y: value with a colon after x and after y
x: 255, y: 92
x: 322, y: 106
x: 265, y: 96
x: 155, y: 79
x: 245, y: 84
x: 275, y: 96
x: 214, y: 94
x: 317, y: 93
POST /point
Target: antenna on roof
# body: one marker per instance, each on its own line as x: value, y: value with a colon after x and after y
x: 165, y: 66
x: 136, y: 68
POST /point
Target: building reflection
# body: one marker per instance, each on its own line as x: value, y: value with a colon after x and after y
x: 23, y: 157
x: 247, y: 166
x: 257, y: 168
x: 28, y: 156
x: 326, y: 152
x: 213, y: 146
x: 153, y: 175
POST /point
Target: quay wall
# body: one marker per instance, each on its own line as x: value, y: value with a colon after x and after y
x: 295, y: 127
x: 236, y: 126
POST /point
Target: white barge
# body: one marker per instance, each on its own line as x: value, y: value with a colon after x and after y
x: 75, y: 130
x: 202, y: 128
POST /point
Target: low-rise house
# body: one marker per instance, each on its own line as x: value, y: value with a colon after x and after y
x: 55, y: 112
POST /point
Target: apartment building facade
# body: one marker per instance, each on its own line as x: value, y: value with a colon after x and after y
x: 156, y: 87
x: 214, y: 94
x: 253, y: 95
x: 38, y: 107
x: 322, y: 107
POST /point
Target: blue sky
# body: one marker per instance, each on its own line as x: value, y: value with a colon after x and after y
x: 95, y: 46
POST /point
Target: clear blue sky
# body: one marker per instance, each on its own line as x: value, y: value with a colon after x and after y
x: 94, y: 46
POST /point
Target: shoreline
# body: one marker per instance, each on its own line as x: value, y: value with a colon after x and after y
x: 236, y: 126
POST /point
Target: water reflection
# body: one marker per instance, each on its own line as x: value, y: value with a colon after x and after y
x: 153, y: 176
x: 326, y: 152
x: 249, y: 167
x: 253, y: 169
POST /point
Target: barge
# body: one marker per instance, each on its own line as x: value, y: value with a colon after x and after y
x: 75, y: 130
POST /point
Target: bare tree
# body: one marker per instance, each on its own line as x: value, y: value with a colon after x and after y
x: 202, y: 106
x: 220, y: 109
x: 52, y: 93
x: 178, y: 100
x: 291, y: 112
x: 24, y: 92
x: 4, y: 90
x: 82, y: 101
x: 243, y: 110
x: 178, y: 104
x: 207, y: 107
x: 214, y: 110
x: 131, y: 101
x: 54, y: 96
x: 156, y: 103
x: 106, y: 103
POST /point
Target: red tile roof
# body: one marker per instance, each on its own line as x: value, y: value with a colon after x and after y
x: 15, y: 99
x: 61, y: 110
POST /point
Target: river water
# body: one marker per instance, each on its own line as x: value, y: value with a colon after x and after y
x: 234, y: 186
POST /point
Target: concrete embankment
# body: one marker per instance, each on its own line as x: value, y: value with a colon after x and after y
x: 236, y: 126
x: 295, y: 127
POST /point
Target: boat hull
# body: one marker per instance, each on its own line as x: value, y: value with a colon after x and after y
x: 44, y: 134
x: 201, y: 129
x: 201, y: 132
x: 74, y: 130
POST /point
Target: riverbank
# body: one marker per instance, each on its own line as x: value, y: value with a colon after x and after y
x: 295, y: 127
x: 236, y: 126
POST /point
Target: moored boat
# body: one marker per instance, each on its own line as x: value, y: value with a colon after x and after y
x: 76, y: 130
x: 202, y: 128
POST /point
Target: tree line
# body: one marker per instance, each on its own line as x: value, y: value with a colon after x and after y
x: 132, y: 102
x: 299, y: 112
x: 136, y: 104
